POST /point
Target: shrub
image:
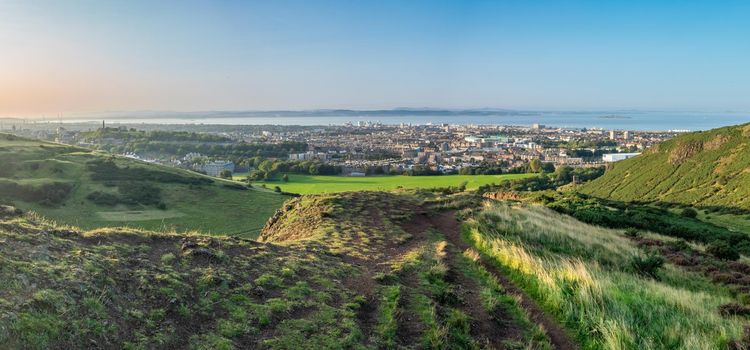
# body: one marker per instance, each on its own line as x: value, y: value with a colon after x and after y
x: 647, y: 266
x: 632, y: 232
x: 723, y: 250
x: 140, y: 193
x: 277, y: 189
x: 103, y: 198
x: 689, y: 213
x: 680, y: 245
x: 225, y: 174
x: 49, y: 194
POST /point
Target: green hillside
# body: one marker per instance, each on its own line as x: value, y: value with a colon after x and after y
x: 702, y: 169
x: 91, y: 189
x: 362, y: 270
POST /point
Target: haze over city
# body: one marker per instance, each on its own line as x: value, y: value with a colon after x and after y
x: 68, y: 57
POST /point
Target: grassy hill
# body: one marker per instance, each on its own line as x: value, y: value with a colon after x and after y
x: 90, y: 189
x: 609, y: 286
x: 363, y: 270
x: 367, y: 270
x: 702, y: 169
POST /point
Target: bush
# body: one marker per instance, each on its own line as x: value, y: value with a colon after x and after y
x: 689, y: 213
x: 680, y: 245
x: 49, y: 194
x: 140, y: 193
x: 632, y: 232
x: 723, y: 250
x: 647, y: 266
x: 225, y: 174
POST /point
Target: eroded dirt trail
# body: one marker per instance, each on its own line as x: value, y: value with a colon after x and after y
x: 446, y: 222
x: 490, y: 330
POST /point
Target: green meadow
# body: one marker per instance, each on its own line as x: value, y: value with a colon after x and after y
x: 312, y: 184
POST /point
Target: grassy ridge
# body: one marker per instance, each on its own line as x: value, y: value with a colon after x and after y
x: 191, y: 201
x: 582, y: 274
x: 312, y: 184
x: 345, y: 271
x: 706, y: 169
x: 131, y: 289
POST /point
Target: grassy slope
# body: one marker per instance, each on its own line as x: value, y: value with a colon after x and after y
x: 118, y: 288
x: 701, y: 169
x: 206, y: 208
x: 309, y: 184
x: 343, y: 271
x: 409, y: 273
x: 581, y: 274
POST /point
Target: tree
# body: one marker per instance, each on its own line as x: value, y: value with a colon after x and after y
x: 225, y: 174
x: 563, y: 174
x: 689, y: 213
x: 548, y: 167
x: 535, y: 165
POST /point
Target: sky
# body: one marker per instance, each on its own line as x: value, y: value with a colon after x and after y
x: 90, y: 56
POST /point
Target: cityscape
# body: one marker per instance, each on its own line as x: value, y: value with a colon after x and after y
x: 368, y: 148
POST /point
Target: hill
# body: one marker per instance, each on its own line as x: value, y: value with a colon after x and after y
x: 368, y: 270
x: 358, y: 270
x: 616, y: 289
x: 90, y: 189
x: 708, y: 169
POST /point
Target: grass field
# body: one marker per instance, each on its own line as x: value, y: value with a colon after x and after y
x: 309, y: 184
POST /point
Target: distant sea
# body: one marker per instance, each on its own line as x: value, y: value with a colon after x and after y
x: 626, y: 120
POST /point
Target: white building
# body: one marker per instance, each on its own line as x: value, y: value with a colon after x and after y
x: 614, y: 157
x: 216, y: 167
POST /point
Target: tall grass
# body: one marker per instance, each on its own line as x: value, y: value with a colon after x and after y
x: 574, y: 271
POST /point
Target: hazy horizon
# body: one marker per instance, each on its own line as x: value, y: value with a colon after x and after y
x: 79, y: 56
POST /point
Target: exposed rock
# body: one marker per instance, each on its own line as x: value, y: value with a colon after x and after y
x: 7, y: 211
x: 684, y: 150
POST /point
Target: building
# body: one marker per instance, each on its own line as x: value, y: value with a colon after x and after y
x: 310, y: 155
x: 611, y: 134
x: 626, y: 135
x: 216, y: 167
x: 537, y: 126
x: 614, y: 157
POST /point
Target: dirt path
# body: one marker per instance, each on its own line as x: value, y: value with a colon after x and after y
x: 491, y: 330
x: 446, y: 222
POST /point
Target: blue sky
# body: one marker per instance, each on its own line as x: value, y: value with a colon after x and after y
x: 75, y: 56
